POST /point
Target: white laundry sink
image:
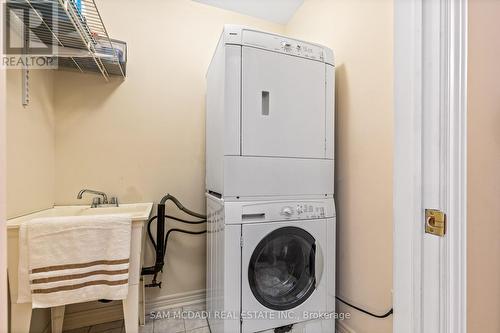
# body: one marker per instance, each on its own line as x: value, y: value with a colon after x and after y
x: 138, y: 212
x: 133, y: 308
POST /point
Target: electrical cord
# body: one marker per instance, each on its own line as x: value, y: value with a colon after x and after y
x: 203, y: 217
x: 390, y: 312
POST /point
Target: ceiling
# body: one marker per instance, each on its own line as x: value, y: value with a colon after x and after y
x: 279, y: 11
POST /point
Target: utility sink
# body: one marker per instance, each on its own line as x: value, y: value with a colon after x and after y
x: 138, y: 212
x: 133, y: 305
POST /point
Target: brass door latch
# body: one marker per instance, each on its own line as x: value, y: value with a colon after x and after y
x: 435, y: 222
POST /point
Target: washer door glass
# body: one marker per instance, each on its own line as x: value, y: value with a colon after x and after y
x: 281, y: 272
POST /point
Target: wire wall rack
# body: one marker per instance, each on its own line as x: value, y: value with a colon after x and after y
x: 75, y: 30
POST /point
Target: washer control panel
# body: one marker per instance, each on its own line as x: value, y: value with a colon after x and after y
x: 281, y: 210
x: 304, y: 210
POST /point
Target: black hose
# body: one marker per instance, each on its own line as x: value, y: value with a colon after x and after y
x: 185, y: 221
x: 180, y: 206
x: 160, y: 245
x: 160, y: 232
x: 181, y: 231
x: 150, y: 235
x: 155, y: 272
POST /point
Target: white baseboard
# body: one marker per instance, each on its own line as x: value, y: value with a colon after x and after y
x: 175, y: 300
x: 341, y: 327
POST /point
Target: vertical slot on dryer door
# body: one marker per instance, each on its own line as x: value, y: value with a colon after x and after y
x: 265, y: 103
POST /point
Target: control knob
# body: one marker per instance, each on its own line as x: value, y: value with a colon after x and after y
x: 287, y: 211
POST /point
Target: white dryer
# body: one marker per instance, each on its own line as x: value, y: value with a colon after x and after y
x: 270, y: 264
x: 269, y: 120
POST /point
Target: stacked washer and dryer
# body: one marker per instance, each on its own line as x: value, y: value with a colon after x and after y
x: 270, y: 184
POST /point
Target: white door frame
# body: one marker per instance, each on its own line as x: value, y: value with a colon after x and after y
x: 3, y: 226
x: 430, y: 52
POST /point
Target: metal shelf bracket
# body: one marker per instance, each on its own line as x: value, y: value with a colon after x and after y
x: 25, y: 86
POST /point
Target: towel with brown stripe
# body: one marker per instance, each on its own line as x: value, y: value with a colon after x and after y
x: 66, y: 260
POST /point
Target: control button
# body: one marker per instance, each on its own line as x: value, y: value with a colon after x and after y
x: 287, y: 211
x: 286, y: 45
x: 299, y: 210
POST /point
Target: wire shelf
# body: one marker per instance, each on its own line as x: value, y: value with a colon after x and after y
x: 76, y: 29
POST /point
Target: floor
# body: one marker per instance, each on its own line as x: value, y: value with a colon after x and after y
x: 166, y: 321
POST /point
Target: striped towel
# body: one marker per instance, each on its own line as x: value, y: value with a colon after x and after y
x: 65, y: 260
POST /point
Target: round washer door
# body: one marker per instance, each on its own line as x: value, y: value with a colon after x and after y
x: 281, y: 271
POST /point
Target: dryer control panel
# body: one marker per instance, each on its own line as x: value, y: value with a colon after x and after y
x: 283, y: 45
x: 241, y: 35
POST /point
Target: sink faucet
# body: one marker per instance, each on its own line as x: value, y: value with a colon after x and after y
x: 96, y: 202
x: 104, y: 196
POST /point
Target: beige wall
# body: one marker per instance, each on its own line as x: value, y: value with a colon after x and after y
x: 483, y: 277
x: 144, y: 137
x: 3, y: 198
x: 30, y: 144
x: 30, y: 152
x: 361, y: 34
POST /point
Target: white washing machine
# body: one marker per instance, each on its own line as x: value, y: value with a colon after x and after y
x: 270, y: 264
x: 269, y: 117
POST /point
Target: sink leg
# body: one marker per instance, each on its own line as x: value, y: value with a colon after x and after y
x: 142, y: 303
x: 57, y: 318
x: 131, y: 309
x: 20, y: 317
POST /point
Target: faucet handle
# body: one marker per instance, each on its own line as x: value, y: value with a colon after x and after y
x: 114, y: 201
x: 96, y: 202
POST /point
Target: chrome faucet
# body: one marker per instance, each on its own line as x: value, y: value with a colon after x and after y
x: 97, y: 202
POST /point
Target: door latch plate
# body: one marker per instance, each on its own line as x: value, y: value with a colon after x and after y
x: 435, y: 222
